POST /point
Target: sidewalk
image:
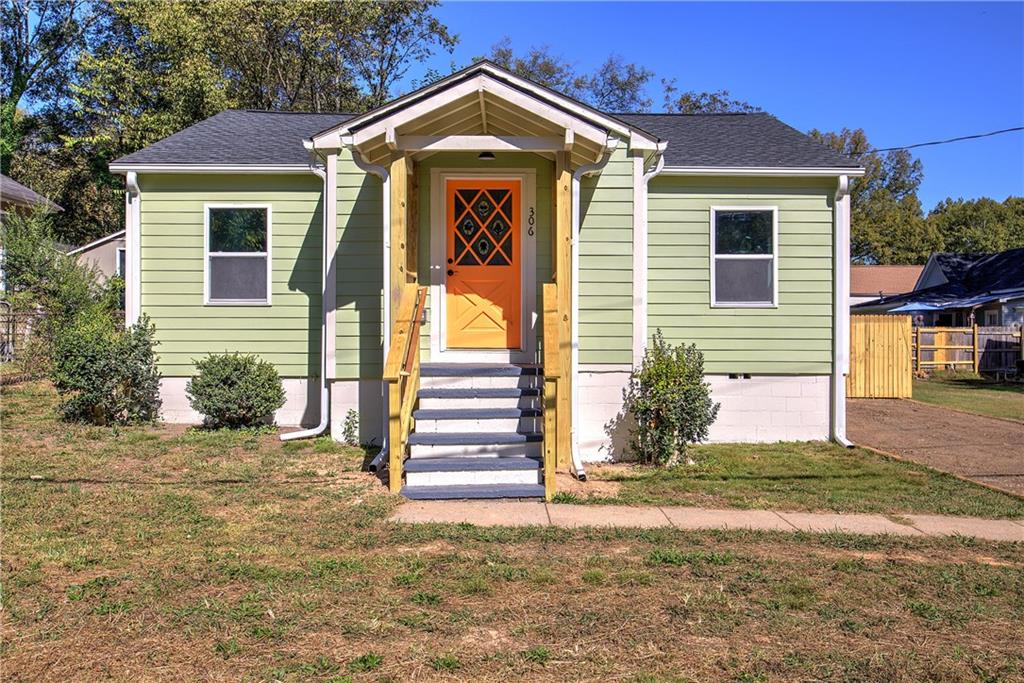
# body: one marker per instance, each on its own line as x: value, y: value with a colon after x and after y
x: 522, y: 513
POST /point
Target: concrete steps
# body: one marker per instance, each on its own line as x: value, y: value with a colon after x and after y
x: 477, y: 434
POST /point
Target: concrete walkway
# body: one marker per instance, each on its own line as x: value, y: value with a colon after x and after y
x: 523, y: 513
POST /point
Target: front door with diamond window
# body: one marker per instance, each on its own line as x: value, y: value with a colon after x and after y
x: 484, y: 284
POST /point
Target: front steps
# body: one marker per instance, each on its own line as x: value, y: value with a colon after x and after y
x: 478, y: 433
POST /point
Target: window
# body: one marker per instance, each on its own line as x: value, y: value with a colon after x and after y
x: 991, y: 318
x: 743, y: 264
x: 119, y: 267
x: 238, y: 254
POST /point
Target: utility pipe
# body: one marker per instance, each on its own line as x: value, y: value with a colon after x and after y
x: 841, y: 311
x: 574, y: 356
x: 325, y: 309
x: 385, y: 177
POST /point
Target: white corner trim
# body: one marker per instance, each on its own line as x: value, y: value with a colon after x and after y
x: 774, y: 257
x: 640, y: 252
x: 330, y: 292
x: 95, y: 243
x: 133, y: 243
x: 209, y: 168
x: 807, y: 171
x: 268, y: 255
x: 841, y: 309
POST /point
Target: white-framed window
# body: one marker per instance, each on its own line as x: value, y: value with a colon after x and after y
x: 120, y: 266
x: 991, y: 318
x: 744, y: 256
x: 237, y: 254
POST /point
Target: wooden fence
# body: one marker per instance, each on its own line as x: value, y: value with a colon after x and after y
x: 993, y: 350
x: 880, y: 355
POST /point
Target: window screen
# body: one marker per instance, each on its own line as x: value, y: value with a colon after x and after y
x: 744, y: 258
x: 238, y: 255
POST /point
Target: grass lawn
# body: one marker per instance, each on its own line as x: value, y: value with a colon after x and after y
x: 972, y: 393
x: 159, y: 553
x: 801, y: 476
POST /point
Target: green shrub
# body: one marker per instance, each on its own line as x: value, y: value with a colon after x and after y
x: 233, y: 390
x: 350, y: 428
x: 106, y: 375
x: 669, y: 401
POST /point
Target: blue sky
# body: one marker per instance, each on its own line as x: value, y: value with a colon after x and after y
x: 906, y: 73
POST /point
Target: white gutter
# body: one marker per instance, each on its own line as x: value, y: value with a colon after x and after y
x: 574, y: 362
x: 133, y: 248
x: 841, y: 311
x: 762, y: 171
x: 385, y: 176
x: 328, y: 247
x: 640, y: 242
x: 209, y: 168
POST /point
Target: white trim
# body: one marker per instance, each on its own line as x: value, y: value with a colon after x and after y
x: 209, y: 168
x: 330, y: 274
x: 774, y: 303
x: 133, y: 242
x: 841, y: 309
x: 439, y: 351
x: 495, y: 74
x: 640, y: 253
x: 476, y: 143
x: 207, y: 301
x: 766, y: 171
x: 95, y: 243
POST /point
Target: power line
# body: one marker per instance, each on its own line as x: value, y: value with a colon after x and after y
x: 944, y: 142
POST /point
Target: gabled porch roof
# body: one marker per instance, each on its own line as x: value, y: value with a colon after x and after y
x: 484, y: 108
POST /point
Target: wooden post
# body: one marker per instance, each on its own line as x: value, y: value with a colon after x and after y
x: 413, y: 228
x: 917, y: 349
x: 563, y: 278
x: 397, y: 448
x: 399, y: 225
x: 552, y: 376
x: 974, y: 333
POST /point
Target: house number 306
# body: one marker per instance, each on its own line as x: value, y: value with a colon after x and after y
x: 531, y: 221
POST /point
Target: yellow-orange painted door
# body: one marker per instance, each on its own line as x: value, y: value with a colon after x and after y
x: 484, y: 283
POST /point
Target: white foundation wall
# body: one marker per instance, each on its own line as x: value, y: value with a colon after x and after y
x: 363, y: 396
x: 758, y: 409
x: 301, y: 406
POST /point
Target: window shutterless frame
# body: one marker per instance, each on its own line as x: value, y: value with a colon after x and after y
x: 207, y: 301
x: 774, y: 257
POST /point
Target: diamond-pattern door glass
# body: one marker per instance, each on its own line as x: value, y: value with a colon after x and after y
x: 483, y: 221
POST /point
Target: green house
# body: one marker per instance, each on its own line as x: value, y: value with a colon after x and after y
x: 476, y: 267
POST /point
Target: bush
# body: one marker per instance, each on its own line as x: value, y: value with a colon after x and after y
x: 232, y: 390
x: 669, y: 401
x: 106, y: 375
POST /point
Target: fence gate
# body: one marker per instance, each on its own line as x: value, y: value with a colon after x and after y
x: 880, y: 357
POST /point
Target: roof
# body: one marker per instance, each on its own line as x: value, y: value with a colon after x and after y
x: 715, y: 141
x: 11, y: 191
x: 883, y: 280
x: 239, y: 137
x: 756, y: 140
x: 988, y: 277
x: 95, y: 243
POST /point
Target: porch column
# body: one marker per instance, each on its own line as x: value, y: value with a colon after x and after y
x: 563, y: 278
x: 399, y: 172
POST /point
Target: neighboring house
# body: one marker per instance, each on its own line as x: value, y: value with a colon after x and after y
x: 16, y: 198
x: 728, y: 231
x: 962, y: 289
x: 105, y: 255
x: 868, y: 283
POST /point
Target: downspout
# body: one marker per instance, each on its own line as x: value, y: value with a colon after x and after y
x: 133, y: 242
x: 574, y: 356
x: 325, y: 309
x: 385, y: 177
x: 841, y: 312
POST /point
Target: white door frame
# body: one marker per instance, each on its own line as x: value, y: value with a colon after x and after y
x: 439, y: 352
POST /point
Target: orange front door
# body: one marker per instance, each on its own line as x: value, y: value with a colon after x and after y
x: 484, y: 283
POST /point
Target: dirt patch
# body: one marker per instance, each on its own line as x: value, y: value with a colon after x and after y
x: 979, y: 448
x: 592, y: 487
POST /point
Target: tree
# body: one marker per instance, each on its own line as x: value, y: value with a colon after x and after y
x: 979, y: 225
x: 39, y: 40
x: 694, y: 102
x: 540, y: 66
x: 619, y: 87
x: 887, y: 222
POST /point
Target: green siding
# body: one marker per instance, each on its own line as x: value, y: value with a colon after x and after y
x: 606, y: 263
x: 360, y: 264
x: 796, y: 337
x: 285, y: 333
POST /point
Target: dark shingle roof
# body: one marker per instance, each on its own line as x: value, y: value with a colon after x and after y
x: 239, y: 137
x: 736, y: 140
x: 13, y: 192
x: 703, y: 140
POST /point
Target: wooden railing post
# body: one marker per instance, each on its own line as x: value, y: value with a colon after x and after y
x: 974, y: 338
x: 395, y: 444
x: 402, y: 373
x: 552, y: 381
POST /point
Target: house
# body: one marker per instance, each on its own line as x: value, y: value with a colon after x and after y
x: 106, y: 255
x: 16, y: 198
x: 868, y: 283
x: 957, y: 290
x: 477, y: 266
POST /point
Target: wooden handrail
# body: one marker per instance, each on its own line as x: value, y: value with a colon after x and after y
x: 552, y: 376
x: 402, y: 373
